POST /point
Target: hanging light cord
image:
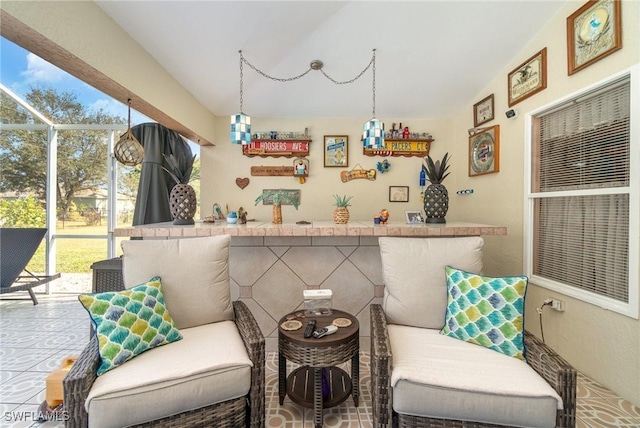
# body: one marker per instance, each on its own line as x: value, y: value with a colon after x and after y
x: 289, y: 79
x: 241, y: 81
x: 373, y: 61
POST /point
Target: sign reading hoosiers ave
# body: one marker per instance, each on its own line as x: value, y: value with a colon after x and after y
x: 277, y: 147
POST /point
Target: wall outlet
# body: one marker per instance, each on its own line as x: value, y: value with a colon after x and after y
x: 557, y: 305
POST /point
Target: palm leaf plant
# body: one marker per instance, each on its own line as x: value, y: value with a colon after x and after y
x: 436, y: 196
x: 277, y: 196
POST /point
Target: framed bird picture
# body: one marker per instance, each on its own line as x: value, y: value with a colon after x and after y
x: 528, y: 78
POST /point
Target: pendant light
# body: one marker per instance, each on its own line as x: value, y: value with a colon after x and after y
x: 240, y: 122
x: 128, y: 150
x: 373, y: 130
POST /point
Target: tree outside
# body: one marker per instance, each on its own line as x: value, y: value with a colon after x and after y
x: 81, y: 154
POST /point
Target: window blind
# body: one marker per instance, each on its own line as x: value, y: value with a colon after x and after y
x: 581, y: 153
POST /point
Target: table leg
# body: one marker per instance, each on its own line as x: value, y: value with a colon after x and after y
x: 355, y: 377
x: 282, y: 377
x: 317, y: 396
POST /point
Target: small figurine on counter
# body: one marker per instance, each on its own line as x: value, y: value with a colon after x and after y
x: 384, y: 216
x: 273, y: 135
x: 242, y: 216
x: 405, y: 132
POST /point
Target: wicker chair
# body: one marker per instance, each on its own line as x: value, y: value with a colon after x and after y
x: 556, y: 371
x: 243, y: 411
x: 407, y: 270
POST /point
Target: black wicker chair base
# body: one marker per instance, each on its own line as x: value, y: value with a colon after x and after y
x: 544, y: 360
x: 228, y: 414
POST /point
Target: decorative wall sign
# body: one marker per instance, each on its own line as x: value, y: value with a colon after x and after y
x: 294, y: 193
x: 336, y: 150
x: 528, y: 78
x: 483, y: 111
x: 402, y: 147
x: 242, y: 182
x: 484, y: 151
x: 301, y: 169
x: 398, y: 193
x: 272, y: 171
x: 593, y: 32
x: 355, y: 174
x: 277, y: 148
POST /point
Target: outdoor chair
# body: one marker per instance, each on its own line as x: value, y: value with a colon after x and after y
x: 212, y: 377
x: 421, y: 376
x: 17, y: 247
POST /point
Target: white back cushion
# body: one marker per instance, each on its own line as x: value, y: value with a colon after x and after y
x: 194, y: 273
x: 415, y: 292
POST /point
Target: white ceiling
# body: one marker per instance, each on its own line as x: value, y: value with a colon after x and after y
x: 433, y: 57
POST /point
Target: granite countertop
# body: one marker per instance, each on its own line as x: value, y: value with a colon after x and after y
x: 314, y: 228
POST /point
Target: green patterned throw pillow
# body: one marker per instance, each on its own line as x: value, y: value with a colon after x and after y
x: 486, y: 311
x: 129, y: 322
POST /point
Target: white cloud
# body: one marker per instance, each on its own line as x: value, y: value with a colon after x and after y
x: 40, y: 71
x: 116, y: 108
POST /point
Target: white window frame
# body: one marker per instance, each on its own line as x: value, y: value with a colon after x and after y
x: 631, y: 308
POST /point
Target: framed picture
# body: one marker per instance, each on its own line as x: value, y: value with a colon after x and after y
x: 484, y: 151
x: 483, y: 111
x: 593, y: 32
x: 413, y: 217
x: 398, y: 193
x: 528, y: 78
x: 336, y: 150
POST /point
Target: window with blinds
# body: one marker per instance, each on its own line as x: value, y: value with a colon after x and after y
x: 580, y: 192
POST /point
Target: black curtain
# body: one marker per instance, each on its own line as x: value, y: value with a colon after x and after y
x: 152, y: 202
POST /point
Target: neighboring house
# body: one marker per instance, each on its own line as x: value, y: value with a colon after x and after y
x: 96, y: 199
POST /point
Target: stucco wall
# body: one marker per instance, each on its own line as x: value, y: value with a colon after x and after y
x: 602, y: 344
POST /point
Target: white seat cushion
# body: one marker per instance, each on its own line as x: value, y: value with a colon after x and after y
x: 194, y: 273
x: 441, y: 377
x: 413, y: 271
x: 209, y: 365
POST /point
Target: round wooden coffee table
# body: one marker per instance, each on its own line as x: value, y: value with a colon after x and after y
x: 304, y: 385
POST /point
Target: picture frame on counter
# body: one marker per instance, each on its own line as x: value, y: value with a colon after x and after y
x: 336, y: 151
x: 413, y: 217
x: 594, y: 31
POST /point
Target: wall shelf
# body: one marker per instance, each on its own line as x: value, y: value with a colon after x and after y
x: 278, y: 147
x: 407, y: 147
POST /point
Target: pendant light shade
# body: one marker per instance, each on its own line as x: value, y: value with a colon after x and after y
x: 240, y: 129
x: 373, y: 135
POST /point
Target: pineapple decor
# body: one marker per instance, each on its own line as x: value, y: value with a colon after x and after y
x: 341, y: 213
x: 436, y: 197
x: 182, y: 199
x: 277, y: 197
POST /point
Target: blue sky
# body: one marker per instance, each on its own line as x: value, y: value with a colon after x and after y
x: 21, y: 69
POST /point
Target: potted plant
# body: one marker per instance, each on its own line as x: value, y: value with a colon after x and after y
x: 277, y: 197
x: 436, y: 197
x: 182, y: 199
x: 341, y: 213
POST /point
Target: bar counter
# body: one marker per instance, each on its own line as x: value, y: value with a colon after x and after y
x: 314, y: 228
x: 271, y: 265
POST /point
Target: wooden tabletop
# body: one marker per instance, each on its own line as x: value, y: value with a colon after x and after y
x: 343, y: 335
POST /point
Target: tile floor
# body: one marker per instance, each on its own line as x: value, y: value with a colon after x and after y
x: 34, y: 339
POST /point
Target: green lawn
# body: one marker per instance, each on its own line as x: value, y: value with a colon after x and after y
x: 73, y: 255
